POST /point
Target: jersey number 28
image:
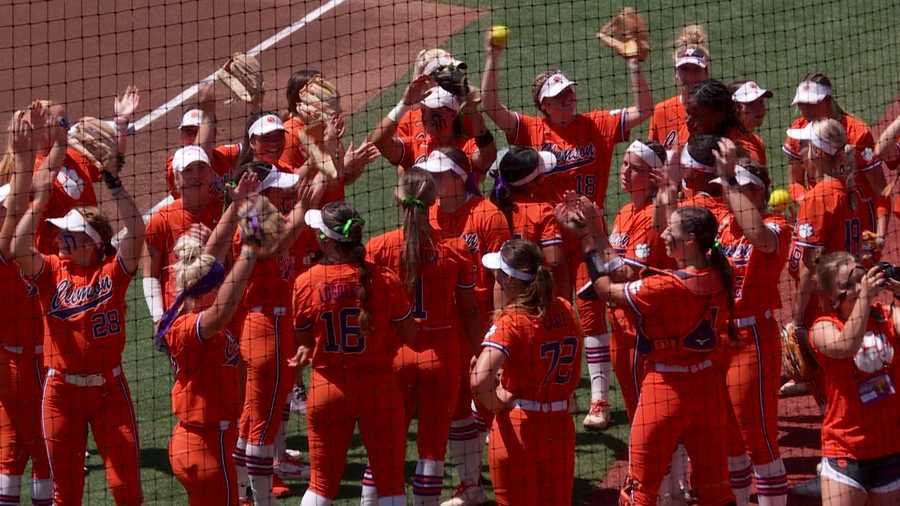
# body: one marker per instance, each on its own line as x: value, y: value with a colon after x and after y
x: 344, y: 335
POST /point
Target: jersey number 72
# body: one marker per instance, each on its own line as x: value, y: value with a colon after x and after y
x: 562, y: 356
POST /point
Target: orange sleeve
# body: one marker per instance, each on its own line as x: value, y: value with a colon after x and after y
x: 184, y: 337
x: 550, y: 232
x: 45, y: 280
x: 753, y: 145
x: 648, y: 295
x: 502, y: 335
x: 611, y: 126
x: 865, y: 149
x: 302, y: 303
x: 155, y: 232
x: 810, y: 230
x: 293, y: 155
x: 525, y: 128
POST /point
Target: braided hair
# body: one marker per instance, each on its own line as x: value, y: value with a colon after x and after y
x: 713, y: 94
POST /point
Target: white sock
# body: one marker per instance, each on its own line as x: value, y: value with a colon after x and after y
x: 240, y: 464
x: 771, y: 483
x: 260, y: 468
x: 466, y: 445
x: 427, y: 482
x: 41, y: 492
x: 369, y: 495
x: 10, y: 489
x: 311, y: 498
x: 740, y: 471
x: 596, y: 350
x: 280, y: 442
x: 678, y: 467
x: 394, y: 500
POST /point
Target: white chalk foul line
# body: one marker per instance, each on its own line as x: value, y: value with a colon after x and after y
x: 177, y: 100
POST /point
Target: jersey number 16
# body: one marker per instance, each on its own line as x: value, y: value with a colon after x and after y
x: 344, y: 335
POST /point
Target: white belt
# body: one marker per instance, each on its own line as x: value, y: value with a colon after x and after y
x: 84, y: 380
x: 277, y: 310
x: 543, y: 407
x: 38, y: 349
x: 658, y: 367
x: 223, y: 425
x: 750, y: 321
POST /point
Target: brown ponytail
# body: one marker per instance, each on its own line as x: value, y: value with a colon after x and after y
x: 527, y: 257
x: 415, y: 194
x: 538, y: 83
x: 337, y: 215
x: 101, y: 224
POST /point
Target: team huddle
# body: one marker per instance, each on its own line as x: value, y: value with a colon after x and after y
x: 473, y: 317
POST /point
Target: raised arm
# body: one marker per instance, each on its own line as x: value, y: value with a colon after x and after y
x: 844, y: 343
x: 486, y: 151
x: 642, y: 108
x: 124, y: 108
x: 219, y: 314
x: 309, y: 194
x: 20, y: 137
x: 490, y: 101
x: 745, y: 212
x: 206, y: 134
x: 886, y: 147
x: 383, y: 136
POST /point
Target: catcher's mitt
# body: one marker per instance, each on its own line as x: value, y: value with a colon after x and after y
x: 96, y: 140
x: 627, y: 34
x: 243, y: 75
x: 318, y: 101
x: 260, y: 223
x: 449, y: 74
x: 797, y: 359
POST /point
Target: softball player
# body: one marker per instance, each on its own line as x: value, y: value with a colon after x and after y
x: 205, y: 360
x: 758, y: 255
x: 676, y: 367
x: 888, y: 149
x: 350, y: 338
x: 21, y: 338
x: 750, y: 105
x: 535, y: 347
x: 855, y: 342
x: 439, y: 277
x: 82, y: 293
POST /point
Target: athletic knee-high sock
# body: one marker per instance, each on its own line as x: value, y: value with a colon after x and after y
x: 311, y: 498
x: 678, y: 467
x: 10, y: 489
x: 596, y: 349
x: 771, y: 483
x: 740, y: 471
x: 281, y: 437
x: 259, y: 467
x: 394, y: 500
x: 466, y: 445
x: 41, y: 492
x: 240, y: 464
x: 369, y: 492
x: 427, y: 482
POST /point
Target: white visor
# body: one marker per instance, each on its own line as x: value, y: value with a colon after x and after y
x: 809, y: 92
x: 646, y: 154
x: 750, y: 92
x: 809, y: 134
x: 744, y: 177
x: 690, y: 162
x: 188, y: 155
x: 440, y: 61
x: 265, y: 124
x: 546, y: 164
x: 74, y: 221
x: 692, y: 56
x: 495, y: 262
x: 438, y: 162
x: 440, y: 98
x: 313, y: 218
x: 191, y: 118
x: 554, y: 85
x: 277, y: 179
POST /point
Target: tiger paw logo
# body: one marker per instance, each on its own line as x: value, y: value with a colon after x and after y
x: 642, y: 251
x: 70, y: 182
x: 805, y: 230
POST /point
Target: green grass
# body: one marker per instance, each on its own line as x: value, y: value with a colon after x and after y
x: 856, y: 42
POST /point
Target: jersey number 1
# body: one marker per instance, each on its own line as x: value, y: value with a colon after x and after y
x: 347, y: 337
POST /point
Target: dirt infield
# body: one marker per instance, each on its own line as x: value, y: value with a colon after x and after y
x: 83, y: 53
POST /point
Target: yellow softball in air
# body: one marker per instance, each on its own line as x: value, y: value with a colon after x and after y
x: 780, y: 199
x: 499, y: 35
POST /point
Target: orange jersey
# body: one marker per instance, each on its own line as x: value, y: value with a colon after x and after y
x: 583, y: 150
x: 716, y: 206
x: 23, y: 323
x: 482, y: 227
x: 756, y: 274
x: 84, y: 314
x: 752, y: 144
x: 858, y: 135
x: 294, y: 156
x: 825, y: 222
x: 861, y: 406
x: 164, y: 229
x: 222, y: 160
x: 326, y: 301
x: 543, y: 355
x: 270, y: 283
x: 448, y: 268
x: 72, y: 188
x: 416, y: 149
x: 668, y: 124
x: 681, y: 316
x: 534, y: 221
x: 207, y: 373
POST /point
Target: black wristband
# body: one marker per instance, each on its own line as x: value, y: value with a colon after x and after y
x: 485, y: 139
x: 112, y: 182
x: 120, y: 160
x: 595, y: 265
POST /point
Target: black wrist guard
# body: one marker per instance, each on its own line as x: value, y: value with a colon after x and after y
x: 112, y: 182
x: 485, y: 139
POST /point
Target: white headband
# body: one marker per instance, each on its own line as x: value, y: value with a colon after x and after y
x: 690, y: 162
x: 646, y: 154
x: 546, y: 163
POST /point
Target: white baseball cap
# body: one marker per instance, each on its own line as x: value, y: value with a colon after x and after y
x: 439, y: 97
x: 188, y: 155
x: 809, y: 92
x: 554, y: 85
x: 749, y: 92
x: 442, y: 60
x: 277, y: 179
x: 692, y: 56
x: 438, y: 162
x: 744, y: 177
x: 494, y: 261
x: 808, y: 133
x: 74, y: 221
x: 313, y: 218
x: 191, y: 118
x: 265, y: 124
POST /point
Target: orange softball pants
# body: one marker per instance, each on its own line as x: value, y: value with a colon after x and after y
x: 21, y: 380
x: 201, y: 460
